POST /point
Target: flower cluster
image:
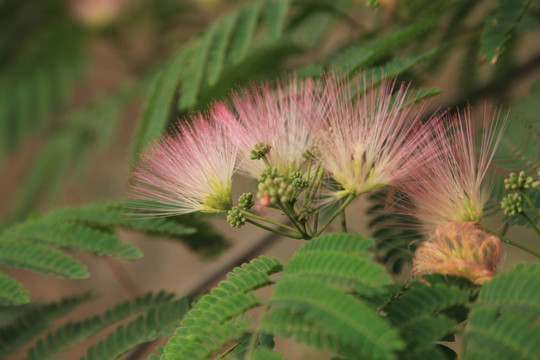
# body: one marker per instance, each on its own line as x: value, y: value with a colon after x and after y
x: 334, y: 139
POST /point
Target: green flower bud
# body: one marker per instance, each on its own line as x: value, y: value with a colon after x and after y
x: 511, y: 204
x: 259, y: 151
x: 235, y: 218
x: 245, y: 202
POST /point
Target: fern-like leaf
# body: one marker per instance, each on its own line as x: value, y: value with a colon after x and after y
x: 219, y: 317
x: 72, y: 236
x: 397, y: 235
x: 224, y: 55
x: 340, y: 261
x: 158, y: 322
x: 23, y: 329
x: 40, y: 258
x: 11, y: 292
x: 420, y: 314
x: 361, y: 56
x: 191, y: 229
x: 519, y: 148
x: 507, y: 316
x: 499, y: 26
x: 58, y: 341
x: 311, y: 301
x: 329, y: 319
x: 157, y: 109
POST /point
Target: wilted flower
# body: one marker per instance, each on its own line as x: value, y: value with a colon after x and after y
x: 452, y: 188
x: 282, y: 121
x: 374, y: 139
x: 459, y: 249
x: 190, y: 170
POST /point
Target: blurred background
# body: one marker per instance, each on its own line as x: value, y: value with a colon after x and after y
x: 77, y: 78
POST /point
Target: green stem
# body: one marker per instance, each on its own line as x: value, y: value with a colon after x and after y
x: 338, y: 211
x: 277, y: 223
x: 282, y: 233
x: 516, y: 244
x: 307, y: 193
x: 529, y: 201
x: 529, y: 220
x: 265, y: 159
x: 343, y: 219
x: 291, y: 214
x: 318, y: 183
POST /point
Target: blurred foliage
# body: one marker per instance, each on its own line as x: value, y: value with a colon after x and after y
x: 48, y: 54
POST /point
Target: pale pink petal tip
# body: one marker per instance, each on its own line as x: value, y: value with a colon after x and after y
x: 190, y: 170
x: 453, y: 187
x: 375, y: 138
x: 285, y: 118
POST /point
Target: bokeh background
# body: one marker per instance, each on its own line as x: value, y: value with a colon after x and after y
x: 62, y: 60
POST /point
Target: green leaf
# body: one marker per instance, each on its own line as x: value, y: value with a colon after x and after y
x: 363, y: 55
x: 40, y: 258
x: 274, y: 18
x: 323, y: 316
x: 158, y: 107
x: 499, y: 26
x: 11, y: 292
x: 244, y: 32
x: 216, y: 57
x: 158, y: 322
x: 56, y: 342
x: 340, y: 261
x: 312, y: 303
x: 506, y: 316
x: 397, y: 235
x: 72, y: 236
x: 195, y: 66
x: 219, y: 317
x: 23, y: 329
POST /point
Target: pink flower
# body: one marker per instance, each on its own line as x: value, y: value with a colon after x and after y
x: 452, y: 188
x: 374, y: 138
x: 459, y: 249
x: 285, y: 119
x: 190, y: 170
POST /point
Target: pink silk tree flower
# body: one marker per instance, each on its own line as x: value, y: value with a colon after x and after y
x: 374, y: 138
x: 283, y: 119
x: 452, y: 188
x: 459, y: 249
x: 190, y: 170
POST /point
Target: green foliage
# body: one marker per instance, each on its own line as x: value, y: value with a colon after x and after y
x: 339, y: 261
x: 158, y: 322
x: 91, y: 228
x: 11, y: 292
x: 38, y: 79
x: 506, y: 316
x: 23, y: 329
x: 423, y: 317
x: 499, y: 26
x: 219, y: 317
x: 58, y: 341
x: 316, y: 310
x: 397, y: 235
x: 239, y: 45
x: 518, y: 149
x: 364, y: 55
x: 66, y: 151
x: 39, y: 258
x: 191, y: 229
